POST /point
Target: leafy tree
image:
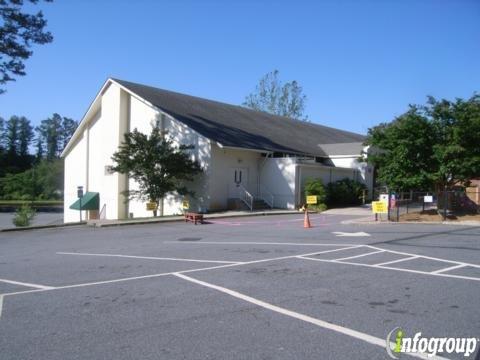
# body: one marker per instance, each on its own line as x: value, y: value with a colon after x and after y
x: 39, y: 148
x: 42, y: 182
x: 405, y: 159
x: 12, y: 135
x: 2, y: 134
x: 429, y: 146
x: 457, y: 148
x: 156, y: 165
x: 68, y: 127
x: 53, y: 135
x: 25, y: 136
x: 345, y: 192
x: 17, y: 138
x: 272, y: 96
x: 18, y: 32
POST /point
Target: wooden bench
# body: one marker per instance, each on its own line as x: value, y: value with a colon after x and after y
x: 194, y: 217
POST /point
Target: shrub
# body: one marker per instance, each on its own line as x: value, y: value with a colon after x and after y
x: 344, y: 192
x: 316, y: 187
x: 23, y: 216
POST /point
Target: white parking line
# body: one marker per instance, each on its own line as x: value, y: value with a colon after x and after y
x: 321, y: 323
x: 425, y: 257
x: 251, y: 243
x: 391, y: 268
x: 397, y: 261
x: 170, y: 273
x: 1, y: 305
x: 36, y: 286
x: 357, y: 256
x: 448, y: 269
x: 149, y: 257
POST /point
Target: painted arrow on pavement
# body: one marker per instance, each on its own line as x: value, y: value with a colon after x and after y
x: 361, y: 233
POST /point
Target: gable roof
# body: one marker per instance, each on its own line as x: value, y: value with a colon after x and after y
x: 236, y: 126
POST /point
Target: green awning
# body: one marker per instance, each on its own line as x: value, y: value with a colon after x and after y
x: 90, y: 201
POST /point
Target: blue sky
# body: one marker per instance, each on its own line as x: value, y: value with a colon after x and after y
x: 360, y: 62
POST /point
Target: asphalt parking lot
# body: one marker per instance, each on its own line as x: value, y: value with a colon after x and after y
x: 249, y: 288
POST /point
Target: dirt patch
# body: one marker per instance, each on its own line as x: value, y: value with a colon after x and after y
x: 433, y: 215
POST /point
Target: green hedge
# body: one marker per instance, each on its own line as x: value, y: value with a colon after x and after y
x: 345, y: 192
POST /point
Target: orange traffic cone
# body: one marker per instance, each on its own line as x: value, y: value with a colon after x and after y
x: 306, y: 220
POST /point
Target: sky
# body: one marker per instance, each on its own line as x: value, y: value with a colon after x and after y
x: 359, y: 62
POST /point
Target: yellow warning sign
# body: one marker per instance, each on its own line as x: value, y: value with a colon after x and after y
x: 151, y: 206
x: 311, y: 199
x: 379, y: 207
x: 185, y: 204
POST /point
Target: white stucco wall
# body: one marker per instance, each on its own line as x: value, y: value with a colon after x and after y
x: 278, y: 177
x: 365, y: 172
x: 75, y: 175
x: 223, y: 161
x: 143, y: 118
x: 116, y: 112
x: 103, y: 142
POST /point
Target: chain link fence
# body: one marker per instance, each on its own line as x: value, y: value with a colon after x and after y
x: 413, y: 204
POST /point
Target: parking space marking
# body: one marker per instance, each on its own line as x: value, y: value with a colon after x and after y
x: 425, y: 257
x: 318, y: 322
x: 361, y: 255
x: 448, y: 269
x: 391, y: 268
x: 170, y: 273
x: 397, y: 261
x: 254, y: 243
x: 1, y: 305
x: 36, y: 286
x: 149, y: 257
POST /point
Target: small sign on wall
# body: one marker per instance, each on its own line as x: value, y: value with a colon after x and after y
x: 428, y: 199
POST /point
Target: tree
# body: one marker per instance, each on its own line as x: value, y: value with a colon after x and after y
x: 2, y: 134
x: 156, y: 165
x: 12, y: 135
x: 25, y: 136
x: 42, y: 182
x: 428, y: 147
x: 68, y: 127
x: 53, y: 135
x: 18, y: 32
x: 457, y: 150
x: 272, y: 96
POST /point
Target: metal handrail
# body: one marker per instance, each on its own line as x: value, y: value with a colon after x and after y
x: 103, y: 212
x: 245, y: 196
x: 266, y: 196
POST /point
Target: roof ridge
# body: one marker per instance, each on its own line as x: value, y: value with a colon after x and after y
x: 239, y: 107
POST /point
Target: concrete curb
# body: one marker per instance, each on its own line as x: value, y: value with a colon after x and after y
x: 39, y: 227
x: 181, y: 218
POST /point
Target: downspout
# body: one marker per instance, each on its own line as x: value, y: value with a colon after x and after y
x: 87, y: 162
x: 298, y: 188
x: 162, y: 131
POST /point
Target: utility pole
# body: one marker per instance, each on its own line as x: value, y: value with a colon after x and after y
x: 80, y: 196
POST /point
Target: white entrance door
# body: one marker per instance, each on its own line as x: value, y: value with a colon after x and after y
x: 237, y: 177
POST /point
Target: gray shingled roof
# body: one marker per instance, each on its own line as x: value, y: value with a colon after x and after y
x: 354, y: 148
x: 236, y: 126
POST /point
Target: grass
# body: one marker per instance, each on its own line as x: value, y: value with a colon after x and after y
x: 32, y: 203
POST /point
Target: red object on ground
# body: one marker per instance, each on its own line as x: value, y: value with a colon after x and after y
x: 194, y: 217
